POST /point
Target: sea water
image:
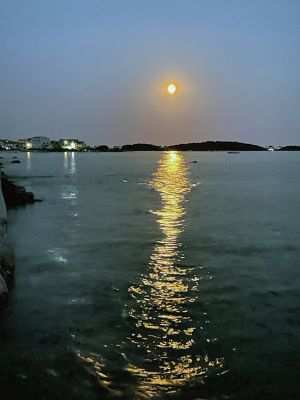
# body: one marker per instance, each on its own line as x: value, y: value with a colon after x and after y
x: 154, y: 275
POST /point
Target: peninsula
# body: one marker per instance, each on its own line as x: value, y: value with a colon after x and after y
x: 202, y: 146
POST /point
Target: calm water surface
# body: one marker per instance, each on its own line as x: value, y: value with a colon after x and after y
x: 146, y: 276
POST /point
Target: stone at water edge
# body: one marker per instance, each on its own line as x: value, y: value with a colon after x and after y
x: 15, y: 195
x: 3, y: 292
x: 7, y: 264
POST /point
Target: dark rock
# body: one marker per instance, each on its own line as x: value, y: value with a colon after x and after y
x: 7, y: 264
x: 15, y: 195
x: 3, y: 292
x: 15, y: 161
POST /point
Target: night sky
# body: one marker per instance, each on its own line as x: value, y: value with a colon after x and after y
x: 95, y: 70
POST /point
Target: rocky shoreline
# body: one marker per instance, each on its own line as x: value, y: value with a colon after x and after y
x: 15, y: 195
x: 11, y: 195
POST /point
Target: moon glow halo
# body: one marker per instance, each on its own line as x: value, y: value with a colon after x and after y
x: 171, y: 89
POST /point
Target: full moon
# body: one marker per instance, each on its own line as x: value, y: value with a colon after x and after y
x: 171, y: 88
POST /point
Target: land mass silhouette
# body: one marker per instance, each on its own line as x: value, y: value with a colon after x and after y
x: 202, y: 146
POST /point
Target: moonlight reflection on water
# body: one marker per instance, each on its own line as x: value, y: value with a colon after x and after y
x: 164, y: 328
x: 163, y: 334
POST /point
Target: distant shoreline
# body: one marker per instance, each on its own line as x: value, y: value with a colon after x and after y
x: 198, y: 146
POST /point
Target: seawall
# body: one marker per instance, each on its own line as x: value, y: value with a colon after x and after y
x: 7, y: 259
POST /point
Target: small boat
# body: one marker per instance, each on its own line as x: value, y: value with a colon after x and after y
x: 233, y: 152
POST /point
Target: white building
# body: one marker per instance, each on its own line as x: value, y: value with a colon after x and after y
x: 40, y: 142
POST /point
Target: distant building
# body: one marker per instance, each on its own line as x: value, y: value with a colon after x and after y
x: 38, y: 143
x: 22, y: 143
x: 72, y: 144
x: 6, y: 144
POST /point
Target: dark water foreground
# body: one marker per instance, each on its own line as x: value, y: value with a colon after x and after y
x: 143, y: 276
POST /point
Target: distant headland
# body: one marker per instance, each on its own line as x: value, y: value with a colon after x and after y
x: 43, y: 143
x: 206, y: 146
x: 202, y: 146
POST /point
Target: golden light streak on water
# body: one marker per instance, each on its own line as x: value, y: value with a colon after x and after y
x: 160, y: 350
x: 28, y: 161
x: 164, y: 329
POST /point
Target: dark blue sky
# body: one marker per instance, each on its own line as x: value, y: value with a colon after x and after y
x: 94, y: 69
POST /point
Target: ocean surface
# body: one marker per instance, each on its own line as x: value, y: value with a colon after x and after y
x: 150, y: 276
